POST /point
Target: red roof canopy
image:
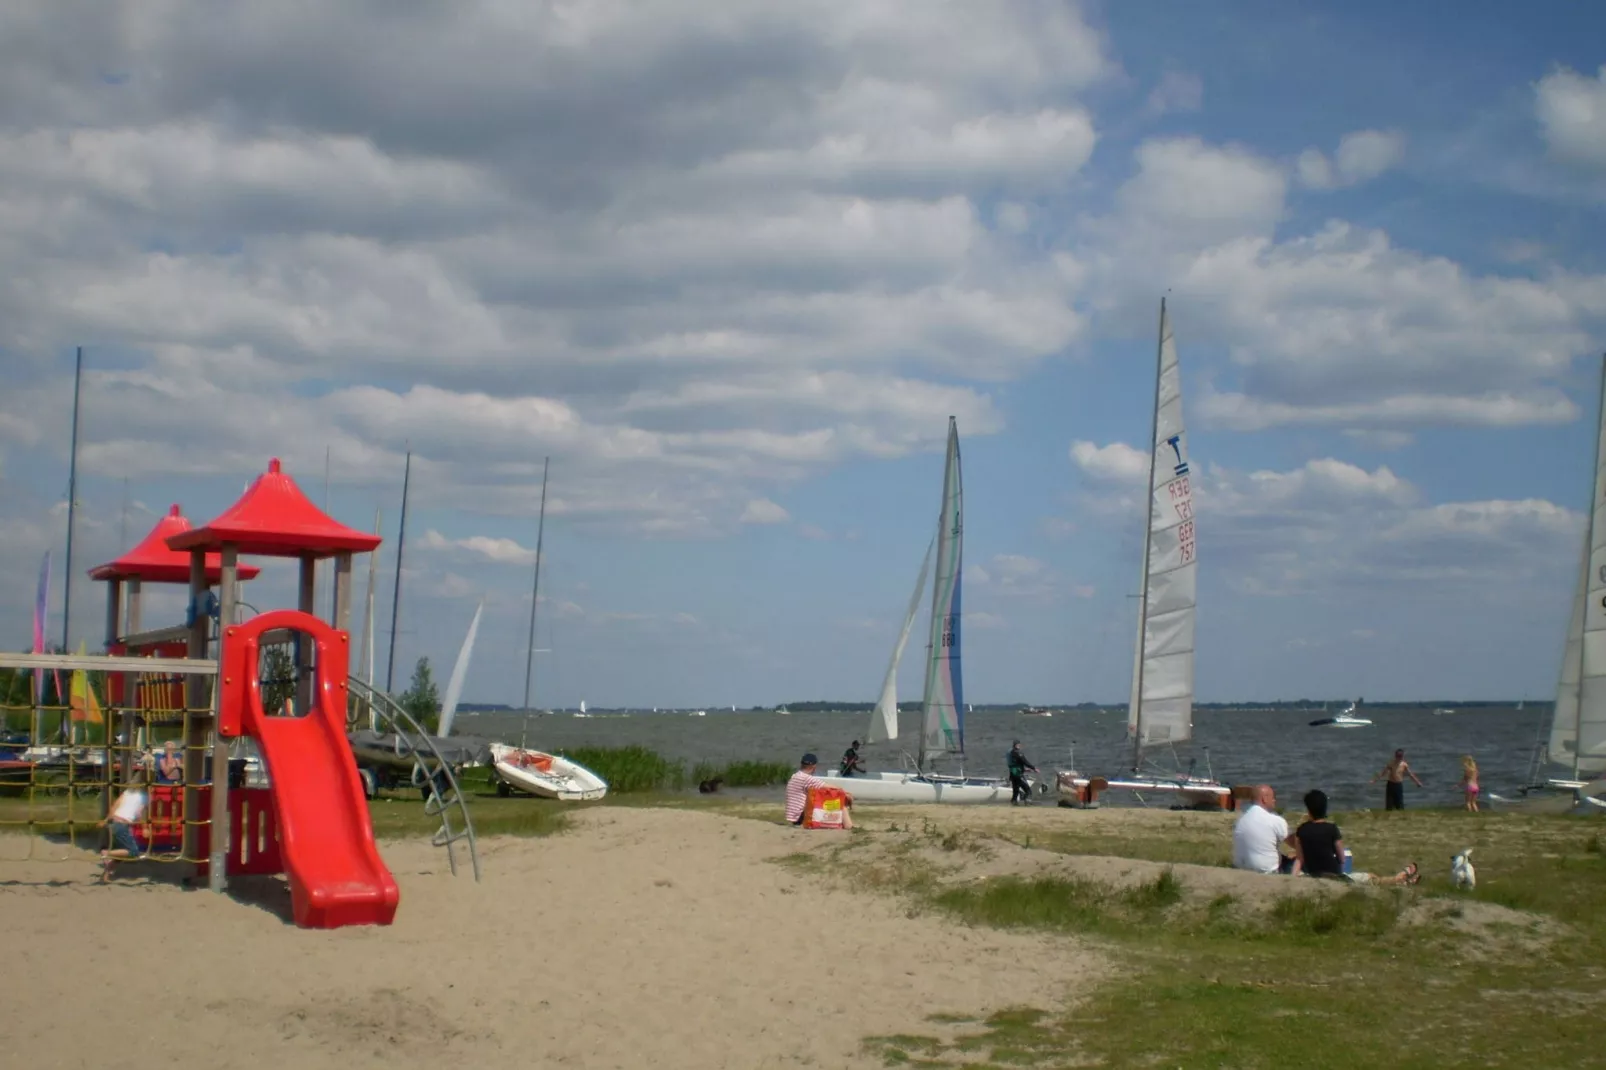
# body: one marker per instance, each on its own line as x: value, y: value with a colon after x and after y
x: 274, y: 519
x: 151, y: 561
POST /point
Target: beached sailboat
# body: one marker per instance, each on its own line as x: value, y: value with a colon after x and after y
x: 1161, y: 707
x: 550, y: 776
x: 1578, y: 726
x: 942, y: 734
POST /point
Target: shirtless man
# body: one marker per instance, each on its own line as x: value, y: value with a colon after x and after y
x: 1396, y: 772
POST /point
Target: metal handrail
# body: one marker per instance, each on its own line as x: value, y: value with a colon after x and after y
x: 429, y: 766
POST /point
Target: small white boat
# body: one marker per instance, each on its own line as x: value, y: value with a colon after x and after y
x: 1037, y: 711
x: 698, y: 713
x: 546, y: 775
x: 1443, y: 711
x: 1347, y: 719
x: 1191, y: 791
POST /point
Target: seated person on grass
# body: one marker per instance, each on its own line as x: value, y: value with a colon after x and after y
x: 797, y: 792
x: 1258, y: 835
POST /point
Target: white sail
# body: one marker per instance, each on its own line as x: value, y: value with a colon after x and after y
x: 1587, y: 753
x: 884, y: 718
x: 1161, y: 709
x: 454, y: 687
x: 943, y: 729
x: 1564, y: 724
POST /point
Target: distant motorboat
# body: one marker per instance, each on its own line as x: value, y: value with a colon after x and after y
x: 1444, y: 711
x: 1037, y: 711
x: 698, y: 713
x: 1346, y: 719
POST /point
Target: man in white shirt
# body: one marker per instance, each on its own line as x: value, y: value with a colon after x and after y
x: 1258, y: 834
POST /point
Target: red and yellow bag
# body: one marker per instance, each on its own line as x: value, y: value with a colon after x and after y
x: 826, y: 808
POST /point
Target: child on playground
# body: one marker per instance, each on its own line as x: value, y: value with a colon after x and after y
x: 127, y: 812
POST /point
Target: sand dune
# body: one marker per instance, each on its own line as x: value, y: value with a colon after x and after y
x: 642, y: 937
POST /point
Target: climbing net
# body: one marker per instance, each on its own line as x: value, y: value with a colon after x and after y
x: 62, y: 771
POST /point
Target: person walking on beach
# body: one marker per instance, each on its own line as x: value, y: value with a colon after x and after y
x: 1469, y: 781
x: 1020, y: 793
x: 1396, y: 772
x: 797, y: 792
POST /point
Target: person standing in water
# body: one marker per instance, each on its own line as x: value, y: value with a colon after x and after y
x: 1396, y: 772
x: 1469, y: 781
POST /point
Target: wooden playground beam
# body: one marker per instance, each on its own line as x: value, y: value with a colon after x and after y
x: 100, y: 663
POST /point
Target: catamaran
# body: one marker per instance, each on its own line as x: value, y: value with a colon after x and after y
x: 942, y: 734
x: 1578, y: 726
x: 1161, y: 708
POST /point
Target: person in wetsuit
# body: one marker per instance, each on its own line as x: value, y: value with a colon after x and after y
x: 850, y: 761
x: 1020, y: 792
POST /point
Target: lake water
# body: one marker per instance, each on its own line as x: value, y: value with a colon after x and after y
x: 1249, y: 746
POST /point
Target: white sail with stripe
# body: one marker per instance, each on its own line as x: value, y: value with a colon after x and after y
x: 1161, y: 707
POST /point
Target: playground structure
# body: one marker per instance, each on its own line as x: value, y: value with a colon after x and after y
x: 283, y: 686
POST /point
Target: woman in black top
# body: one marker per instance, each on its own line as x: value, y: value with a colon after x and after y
x: 1318, y: 844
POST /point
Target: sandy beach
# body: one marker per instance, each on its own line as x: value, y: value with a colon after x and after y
x: 640, y: 937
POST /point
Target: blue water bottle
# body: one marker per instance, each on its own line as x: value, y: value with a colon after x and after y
x: 1349, y: 861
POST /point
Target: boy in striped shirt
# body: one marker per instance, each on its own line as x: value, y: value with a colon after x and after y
x: 797, y: 792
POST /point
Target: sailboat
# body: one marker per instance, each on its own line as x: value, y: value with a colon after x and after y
x: 1161, y: 707
x: 942, y: 733
x: 383, y: 759
x: 1578, y: 725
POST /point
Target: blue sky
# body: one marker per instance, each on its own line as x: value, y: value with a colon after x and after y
x: 733, y: 265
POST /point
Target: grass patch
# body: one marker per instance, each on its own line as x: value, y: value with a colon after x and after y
x: 1401, y: 975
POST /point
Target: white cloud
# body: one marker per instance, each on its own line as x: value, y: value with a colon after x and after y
x: 813, y: 533
x: 1177, y: 91
x: 983, y: 621
x: 1362, y: 156
x: 1187, y: 190
x: 499, y: 551
x: 1571, y: 108
x: 731, y: 245
x: 764, y: 511
x: 1116, y: 462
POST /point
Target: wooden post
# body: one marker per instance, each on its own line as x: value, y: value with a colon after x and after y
x: 195, y: 726
x: 342, y: 617
x: 133, y: 625
x: 306, y: 602
x: 114, y: 610
x: 217, y: 860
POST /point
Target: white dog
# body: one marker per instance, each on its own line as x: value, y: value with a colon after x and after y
x: 1462, y: 875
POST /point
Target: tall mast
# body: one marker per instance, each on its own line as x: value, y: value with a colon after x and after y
x: 72, y: 500
x: 1148, y: 535
x: 535, y: 587
x: 395, y: 598
x: 365, y: 660
x: 1595, y: 490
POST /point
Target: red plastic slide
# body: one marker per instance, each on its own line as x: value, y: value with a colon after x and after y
x: 325, y: 835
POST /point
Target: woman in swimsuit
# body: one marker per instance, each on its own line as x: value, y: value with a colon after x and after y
x: 1469, y: 781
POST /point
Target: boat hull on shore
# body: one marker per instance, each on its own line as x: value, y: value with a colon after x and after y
x: 909, y: 787
x: 545, y: 775
x: 1195, y: 792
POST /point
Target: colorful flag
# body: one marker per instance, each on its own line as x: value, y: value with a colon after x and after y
x: 40, y: 607
x: 85, y: 707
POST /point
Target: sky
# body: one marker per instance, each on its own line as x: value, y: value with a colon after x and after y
x: 731, y: 264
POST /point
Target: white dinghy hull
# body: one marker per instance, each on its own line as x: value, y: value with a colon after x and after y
x: 547, y: 776
x: 908, y: 787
